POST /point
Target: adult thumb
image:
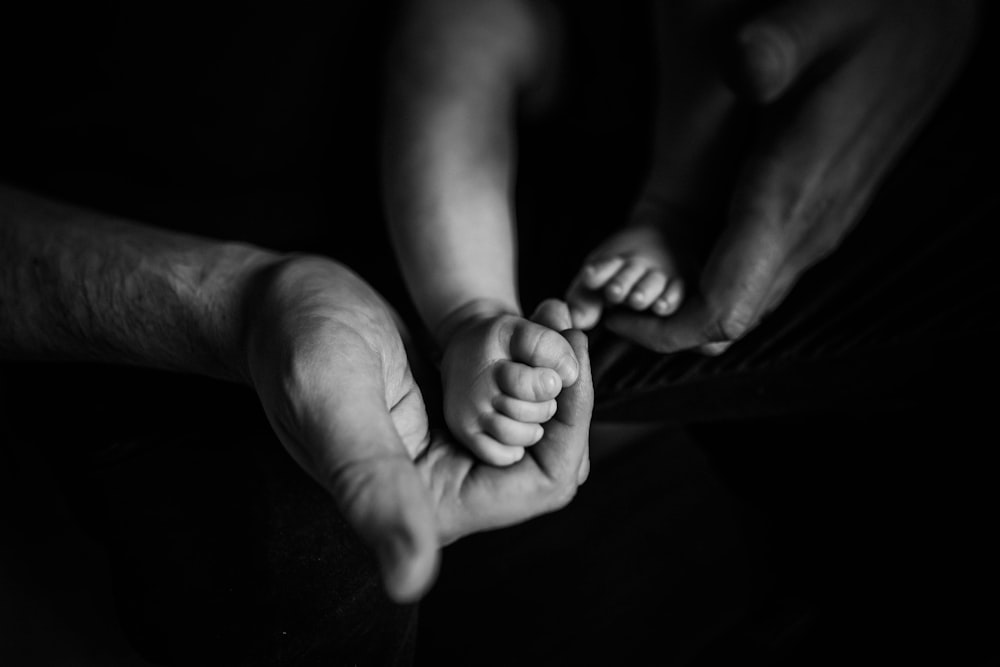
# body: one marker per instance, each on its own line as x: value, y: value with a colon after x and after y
x: 372, y: 478
x: 386, y: 502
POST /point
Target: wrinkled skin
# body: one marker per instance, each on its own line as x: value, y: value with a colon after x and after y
x: 838, y: 90
x: 329, y: 364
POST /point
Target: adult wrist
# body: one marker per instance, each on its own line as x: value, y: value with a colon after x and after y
x: 238, y: 305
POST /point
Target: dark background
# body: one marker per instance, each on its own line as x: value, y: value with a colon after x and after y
x: 808, y: 531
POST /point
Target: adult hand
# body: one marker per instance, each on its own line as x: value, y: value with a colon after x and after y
x: 841, y: 88
x: 331, y: 370
x: 470, y: 496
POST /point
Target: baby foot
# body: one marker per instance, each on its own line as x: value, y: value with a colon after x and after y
x: 635, y: 268
x: 501, y: 378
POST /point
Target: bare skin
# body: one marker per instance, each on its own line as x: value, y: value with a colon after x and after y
x: 323, y: 351
x: 841, y: 90
x: 459, y: 70
x: 634, y: 267
x: 646, y: 266
x: 502, y: 376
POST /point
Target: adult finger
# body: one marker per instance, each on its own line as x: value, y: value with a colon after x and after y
x: 563, y: 451
x: 777, y: 46
x: 780, y: 288
x: 814, y: 168
x: 736, y: 280
x: 818, y: 160
x: 350, y: 445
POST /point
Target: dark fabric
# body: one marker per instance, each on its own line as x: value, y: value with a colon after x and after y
x: 223, y: 551
x: 648, y: 565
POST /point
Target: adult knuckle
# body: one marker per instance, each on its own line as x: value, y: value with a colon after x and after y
x: 731, y: 325
x: 766, y: 53
x: 486, y: 421
x: 563, y: 491
x: 820, y: 246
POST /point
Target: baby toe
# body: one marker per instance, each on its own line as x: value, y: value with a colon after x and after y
x: 585, y: 316
x: 618, y: 287
x: 597, y: 272
x: 531, y: 412
x: 646, y: 291
x: 511, y: 432
x: 526, y: 382
x: 670, y: 299
x: 490, y: 450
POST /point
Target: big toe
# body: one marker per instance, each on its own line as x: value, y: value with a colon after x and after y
x: 527, y: 383
x: 585, y: 316
x: 585, y: 306
x: 542, y: 347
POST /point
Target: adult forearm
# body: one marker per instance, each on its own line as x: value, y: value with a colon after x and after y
x: 457, y: 69
x: 79, y: 285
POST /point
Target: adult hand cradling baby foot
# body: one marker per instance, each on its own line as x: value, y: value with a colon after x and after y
x: 502, y: 374
x: 840, y: 90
